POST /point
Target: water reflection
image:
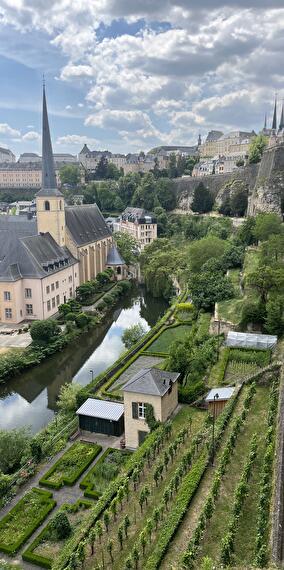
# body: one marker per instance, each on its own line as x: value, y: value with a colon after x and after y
x: 30, y: 399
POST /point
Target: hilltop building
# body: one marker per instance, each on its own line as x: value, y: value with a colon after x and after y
x: 235, y: 143
x: 44, y: 260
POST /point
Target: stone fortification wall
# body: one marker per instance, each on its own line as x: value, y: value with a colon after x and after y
x: 220, y: 185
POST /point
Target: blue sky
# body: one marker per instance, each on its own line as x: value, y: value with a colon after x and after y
x: 127, y: 75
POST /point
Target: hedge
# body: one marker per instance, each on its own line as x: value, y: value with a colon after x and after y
x: 81, y: 462
x: 29, y: 554
x: 17, y: 518
x: 105, y: 500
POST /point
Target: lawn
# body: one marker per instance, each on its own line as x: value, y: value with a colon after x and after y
x: 104, y: 471
x: 163, y: 342
x: 21, y: 521
x: 47, y: 545
x: 71, y: 465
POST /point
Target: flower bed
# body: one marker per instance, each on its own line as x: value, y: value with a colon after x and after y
x: 20, y: 523
x: 104, y: 471
x: 71, y: 465
x: 46, y: 545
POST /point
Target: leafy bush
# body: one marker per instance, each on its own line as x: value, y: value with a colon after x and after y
x: 21, y: 521
x: 82, y: 320
x: 14, y: 445
x: 71, y: 465
x: 60, y: 526
x: 42, y: 332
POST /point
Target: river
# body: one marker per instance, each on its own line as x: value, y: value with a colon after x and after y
x: 30, y: 399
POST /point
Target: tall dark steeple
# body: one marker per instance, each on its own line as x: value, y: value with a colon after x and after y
x: 265, y: 122
x: 281, y: 124
x: 274, y: 121
x: 49, y: 184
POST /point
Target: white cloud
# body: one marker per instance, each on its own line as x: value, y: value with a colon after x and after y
x: 80, y: 104
x: 31, y: 136
x: 76, y: 140
x: 68, y: 107
x: 8, y: 131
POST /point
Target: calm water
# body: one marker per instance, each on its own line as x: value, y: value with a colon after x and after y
x: 31, y: 398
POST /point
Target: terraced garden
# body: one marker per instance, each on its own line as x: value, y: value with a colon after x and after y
x: 163, y: 342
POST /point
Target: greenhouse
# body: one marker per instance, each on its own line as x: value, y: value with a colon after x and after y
x: 251, y: 340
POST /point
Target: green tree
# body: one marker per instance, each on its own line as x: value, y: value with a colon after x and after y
x: 165, y: 193
x: 265, y: 279
x: 202, y: 199
x: 61, y: 526
x: 69, y: 174
x: 43, y: 332
x: 128, y: 246
x: 257, y: 146
x: 207, y: 288
x: 204, y: 249
x: 110, y: 549
x: 132, y: 335
x: 239, y: 202
x: 120, y: 536
x: 67, y: 400
x: 127, y: 186
x: 274, y: 321
x: 267, y: 225
x: 246, y: 233
x: 144, y: 195
x: 101, y: 169
x: 14, y: 446
x: 172, y: 166
x: 112, y: 171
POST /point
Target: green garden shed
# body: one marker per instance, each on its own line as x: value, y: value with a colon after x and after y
x: 101, y: 416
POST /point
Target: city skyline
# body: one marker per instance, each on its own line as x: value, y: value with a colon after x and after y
x: 129, y: 77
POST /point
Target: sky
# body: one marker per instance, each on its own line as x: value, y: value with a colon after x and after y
x: 128, y: 75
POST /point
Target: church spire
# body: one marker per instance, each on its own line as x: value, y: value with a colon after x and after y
x: 281, y: 124
x: 265, y: 122
x: 274, y: 121
x: 49, y: 183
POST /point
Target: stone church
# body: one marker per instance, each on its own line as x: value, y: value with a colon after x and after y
x: 43, y: 261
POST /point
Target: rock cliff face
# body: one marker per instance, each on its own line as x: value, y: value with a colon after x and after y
x: 264, y: 183
x: 268, y: 191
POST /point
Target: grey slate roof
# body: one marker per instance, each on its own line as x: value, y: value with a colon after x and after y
x: 223, y: 393
x: 114, y: 257
x: 86, y: 223
x: 49, y: 184
x: 20, y: 225
x: 151, y: 381
x: 101, y: 409
x: 27, y: 256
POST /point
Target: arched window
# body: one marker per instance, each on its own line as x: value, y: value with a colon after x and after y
x: 46, y: 205
x: 60, y: 205
x: 118, y: 270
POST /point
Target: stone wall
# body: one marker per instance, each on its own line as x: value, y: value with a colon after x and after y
x: 269, y: 187
x: 220, y: 185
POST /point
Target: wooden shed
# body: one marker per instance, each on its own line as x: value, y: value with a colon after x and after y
x: 101, y: 416
x: 217, y: 399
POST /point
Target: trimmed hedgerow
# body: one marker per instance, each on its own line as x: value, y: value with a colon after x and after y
x: 71, y: 465
x: 21, y: 521
x: 29, y: 555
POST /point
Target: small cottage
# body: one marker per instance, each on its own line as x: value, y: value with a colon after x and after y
x: 217, y: 399
x: 100, y: 416
x: 149, y: 386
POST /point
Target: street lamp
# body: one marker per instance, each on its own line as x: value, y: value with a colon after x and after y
x: 216, y: 397
x: 92, y: 373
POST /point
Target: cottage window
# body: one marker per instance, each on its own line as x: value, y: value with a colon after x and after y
x: 7, y: 296
x: 8, y: 313
x: 141, y: 411
x: 28, y: 293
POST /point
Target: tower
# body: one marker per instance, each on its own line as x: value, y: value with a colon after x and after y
x: 281, y: 124
x: 199, y: 141
x: 274, y: 120
x: 49, y: 200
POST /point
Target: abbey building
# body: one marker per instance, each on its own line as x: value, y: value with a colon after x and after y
x: 42, y: 261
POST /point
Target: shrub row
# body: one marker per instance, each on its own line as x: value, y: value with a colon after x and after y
x: 105, y: 500
x: 241, y: 492
x: 261, y: 546
x: 30, y: 556
x: 74, y: 460
x: 191, y: 552
x: 23, y: 519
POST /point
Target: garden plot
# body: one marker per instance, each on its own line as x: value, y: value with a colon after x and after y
x: 136, y: 366
x: 104, y: 471
x: 47, y: 545
x: 27, y: 515
x: 71, y: 465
